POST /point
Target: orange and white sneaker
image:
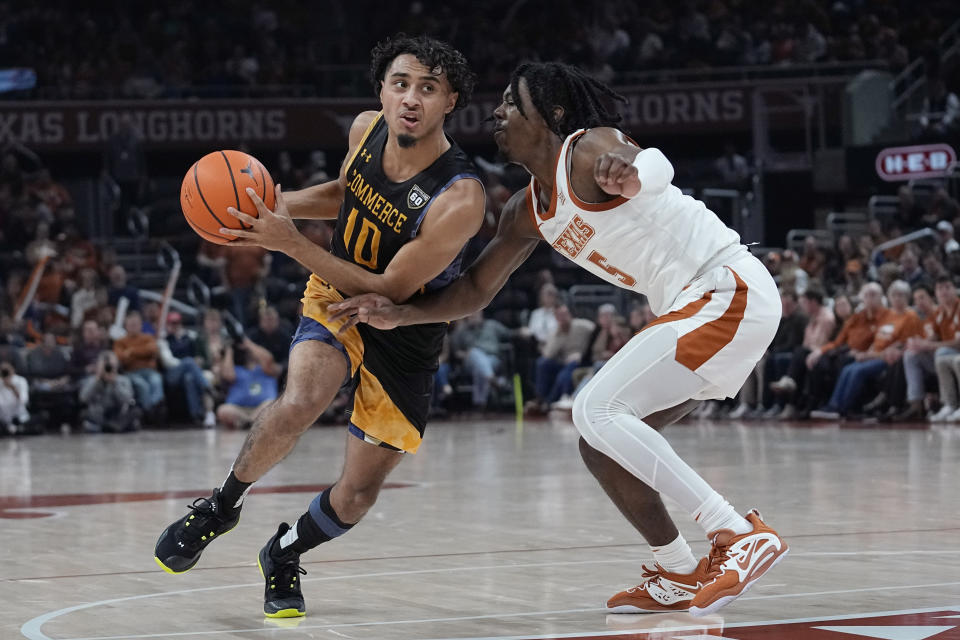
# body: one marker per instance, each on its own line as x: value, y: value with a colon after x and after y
x: 661, y: 590
x: 736, y: 562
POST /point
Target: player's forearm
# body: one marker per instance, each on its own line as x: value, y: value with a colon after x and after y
x: 338, y: 273
x: 457, y: 301
x: 320, y: 201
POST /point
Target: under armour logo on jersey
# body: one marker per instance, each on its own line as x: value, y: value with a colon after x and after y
x: 417, y: 197
x: 562, y: 199
x: 365, y: 155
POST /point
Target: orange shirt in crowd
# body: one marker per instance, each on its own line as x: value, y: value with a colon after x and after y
x: 858, y: 331
x: 946, y: 322
x: 897, y: 328
x: 137, y: 352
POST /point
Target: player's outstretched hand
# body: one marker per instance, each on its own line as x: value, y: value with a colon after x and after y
x: 372, y: 308
x: 273, y: 230
x: 616, y: 175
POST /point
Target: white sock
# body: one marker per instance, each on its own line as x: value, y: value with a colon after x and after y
x: 675, y: 557
x: 716, y: 513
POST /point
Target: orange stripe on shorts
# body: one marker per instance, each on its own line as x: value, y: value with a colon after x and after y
x: 704, y: 342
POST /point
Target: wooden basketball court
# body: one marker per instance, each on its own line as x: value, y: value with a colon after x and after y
x: 491, y: 531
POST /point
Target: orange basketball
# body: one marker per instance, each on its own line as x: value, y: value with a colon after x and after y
x: 219, y: 180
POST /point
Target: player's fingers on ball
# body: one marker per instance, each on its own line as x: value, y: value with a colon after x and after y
x: 241, y: 216
x: 237, y: 233
x: 257, y: 201
x: 279, y: 205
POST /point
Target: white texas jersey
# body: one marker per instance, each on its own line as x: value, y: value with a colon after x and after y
x: 655, y: 243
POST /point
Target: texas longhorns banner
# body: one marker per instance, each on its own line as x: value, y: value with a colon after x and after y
x: 324, y: 123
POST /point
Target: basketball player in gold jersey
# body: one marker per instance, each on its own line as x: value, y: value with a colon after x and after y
x: 406, y: 201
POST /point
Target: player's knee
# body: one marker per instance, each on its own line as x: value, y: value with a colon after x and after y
x: 590, y: 455
x: 589, y: 416
x: 297, y: 411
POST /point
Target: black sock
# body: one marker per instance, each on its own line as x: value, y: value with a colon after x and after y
x: 317, y: 525
x: 232, y: 493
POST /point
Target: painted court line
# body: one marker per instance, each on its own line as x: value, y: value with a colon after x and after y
x: 32, y: 628
x: 618, y: 632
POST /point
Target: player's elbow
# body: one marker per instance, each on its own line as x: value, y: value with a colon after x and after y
x: 653, y: 170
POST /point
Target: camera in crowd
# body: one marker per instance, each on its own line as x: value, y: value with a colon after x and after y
x: 6, y: 370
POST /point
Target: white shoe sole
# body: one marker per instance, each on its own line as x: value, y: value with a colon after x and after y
x: 628, y: 608
x: 719, y: 603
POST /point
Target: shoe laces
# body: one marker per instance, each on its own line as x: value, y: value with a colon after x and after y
x: 719, y: 553
x: 204, y: 510
x: 650, y: 576
x: 286, y: 576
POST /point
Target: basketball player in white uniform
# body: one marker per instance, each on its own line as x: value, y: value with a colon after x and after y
x: 610, y: 207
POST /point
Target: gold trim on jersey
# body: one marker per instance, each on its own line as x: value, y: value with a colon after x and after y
x: 373, y: 410
x: 366, y: 134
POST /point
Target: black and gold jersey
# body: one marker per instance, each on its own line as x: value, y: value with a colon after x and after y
x: 376, y: 219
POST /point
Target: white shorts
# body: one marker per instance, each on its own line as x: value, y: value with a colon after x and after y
x: 724, y: 321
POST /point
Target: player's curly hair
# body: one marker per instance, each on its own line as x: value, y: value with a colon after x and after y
x: 582, y: 98
x: 432, y: 54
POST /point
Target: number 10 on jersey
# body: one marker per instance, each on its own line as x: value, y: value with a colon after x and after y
x: 368, y: 231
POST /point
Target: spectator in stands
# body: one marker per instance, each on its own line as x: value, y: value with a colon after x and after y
x: 138, y: 353
x: 901, y: 396
x: 125, y: 163
x: 84, y: 298
x: 182, y: 369
x: 941, y: 110
x: 561, y: 355
x: 891, y: 332
x: 252, y: 374
x: 244, y: 272
x: 817, y: 332
x: 150, y: 310
x: 543, y: 322
x: 10, y: 333
x: 273, y: 334
x: 910, y: 268
x: 442, y: 389
x: 792, y: 276
x: 943, y: 206
x: 14, y: 398
x: 855, y: 338
x: 945, y: 237
x: 477, y: 344
x: 933, y: 267
x: 813, y: 260
x: 118, y: 288
x: 854, y: 276
x: 609, y: 335
x: 640, y: 316
x: 87, y: 346
x: 732, y: 168
x: 211, y: 262
x: 212, y: 343
x: 944, y: 343
x: 108, y: 399
x: 774, y: 364
x: 47, y: 366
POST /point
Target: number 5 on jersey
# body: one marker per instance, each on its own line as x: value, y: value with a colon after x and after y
x: 367, y: 230
x: 600, y: 261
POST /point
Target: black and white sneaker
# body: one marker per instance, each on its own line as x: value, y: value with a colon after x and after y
x: 282, y: 597
x: 180, y: 545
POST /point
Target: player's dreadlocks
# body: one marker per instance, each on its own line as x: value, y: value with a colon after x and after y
x: 433, y: 54
x: 553, y: 84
